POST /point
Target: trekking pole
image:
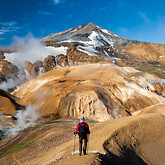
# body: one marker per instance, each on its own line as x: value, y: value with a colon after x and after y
x: 74, y: 144
x: 87, y: 142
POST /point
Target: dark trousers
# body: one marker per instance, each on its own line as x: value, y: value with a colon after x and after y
x: 80, y: 144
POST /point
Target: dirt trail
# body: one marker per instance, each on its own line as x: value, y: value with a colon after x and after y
x: 50, y: 141
x: 6, y: 143
x: 140, y: 137
x: 15, y: 159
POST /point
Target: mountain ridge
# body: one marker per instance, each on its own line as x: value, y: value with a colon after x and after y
x: 84, y: 44
x: 85, y: 73
x: 83, y: 32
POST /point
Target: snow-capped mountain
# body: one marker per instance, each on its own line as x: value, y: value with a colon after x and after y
x: 88, y: 33
x: 89, y: 38
x: 85, y: 44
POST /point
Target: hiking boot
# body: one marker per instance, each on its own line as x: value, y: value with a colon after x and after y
x: 84, y: 152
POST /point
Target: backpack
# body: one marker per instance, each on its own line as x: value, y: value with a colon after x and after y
x: 82, y: 130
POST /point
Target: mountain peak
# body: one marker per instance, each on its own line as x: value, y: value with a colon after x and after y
x: 90, y: 24
x: 81, y: 33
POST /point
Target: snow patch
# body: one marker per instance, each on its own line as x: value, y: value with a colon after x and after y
x: 90, y: 50
x: 97, y: 39
x: 56, y: 50
x: 70, y: 41
x: 108, y: 32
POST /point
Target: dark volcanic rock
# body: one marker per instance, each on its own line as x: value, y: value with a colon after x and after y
x: 32, y: 70
x: 63, y: 60
x: 8, y: 70
x: 1, y: 134
x: 1, y: 55
x: 158, y: 88
x: 38, y: 64
x: 49, y: 63
x: 76, y: 57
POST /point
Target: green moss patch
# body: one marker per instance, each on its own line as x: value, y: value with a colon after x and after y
x: 138, y: 67
x: 19, y: 145
x: 15, y: 147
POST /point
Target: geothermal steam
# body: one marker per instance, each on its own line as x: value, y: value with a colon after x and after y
x: 9, y: 83
x: 24, y: 119
x: 31, y: 49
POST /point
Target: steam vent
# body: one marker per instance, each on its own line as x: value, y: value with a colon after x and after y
x: 116, y: 84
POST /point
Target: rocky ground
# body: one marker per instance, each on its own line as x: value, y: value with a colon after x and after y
x: 40, y: 143
x: 129, y: 140
x: 115, y: 83
x: 97, y: 91
x: 102, y: 92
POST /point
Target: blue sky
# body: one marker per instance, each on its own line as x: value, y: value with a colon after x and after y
x: 142, y: 20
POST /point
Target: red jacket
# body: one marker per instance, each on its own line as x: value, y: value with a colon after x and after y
x: 82, y: 123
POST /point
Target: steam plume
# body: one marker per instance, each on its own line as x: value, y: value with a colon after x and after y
x: 24, y: 119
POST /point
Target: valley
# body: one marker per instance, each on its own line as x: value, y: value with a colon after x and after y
x: 117, y: 84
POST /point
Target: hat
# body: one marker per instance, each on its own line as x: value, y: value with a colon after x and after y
x: 81, y: 119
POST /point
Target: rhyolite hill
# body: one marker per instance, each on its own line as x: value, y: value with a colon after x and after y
x: 84, y: 71
x: 139, y: 64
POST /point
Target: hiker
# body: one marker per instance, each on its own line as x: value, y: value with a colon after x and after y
x: 82, y: 130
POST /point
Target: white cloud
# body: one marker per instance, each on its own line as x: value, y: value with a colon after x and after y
x: 8, y: 23
x: 3, y: 31
x: 45, y: 13
x: 6, y: 27
x: 144, y: 17
x: 56, y: 2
